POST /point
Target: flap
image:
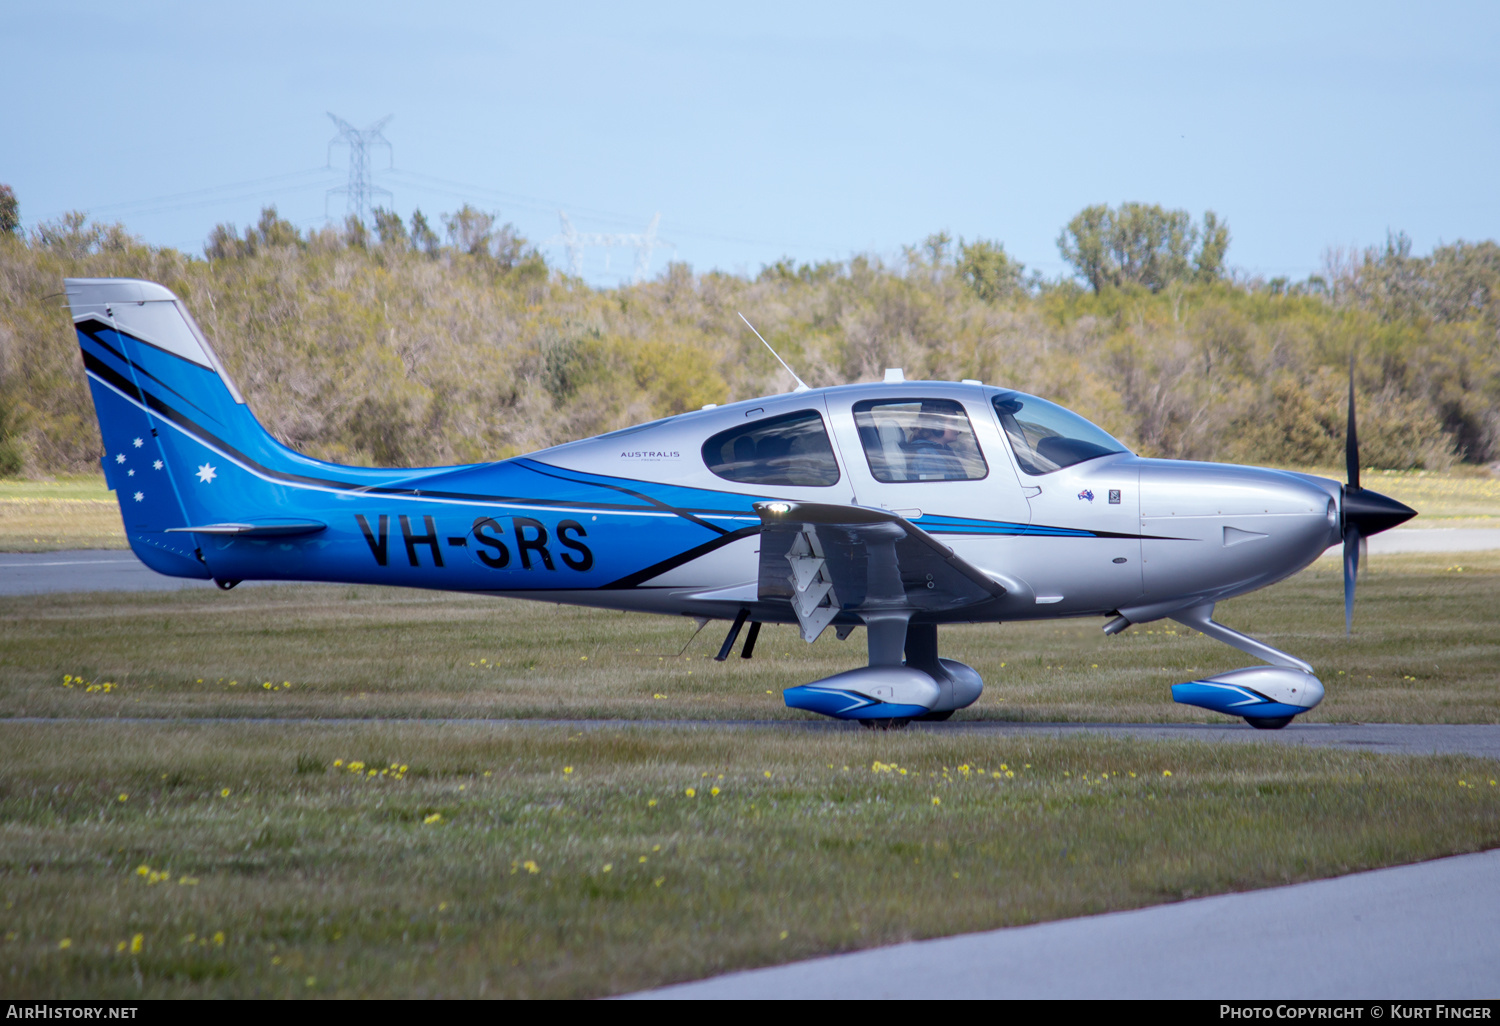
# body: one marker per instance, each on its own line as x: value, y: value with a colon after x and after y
x: 865, y: 559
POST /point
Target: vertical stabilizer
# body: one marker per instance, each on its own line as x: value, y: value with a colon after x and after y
x: 148, y: 365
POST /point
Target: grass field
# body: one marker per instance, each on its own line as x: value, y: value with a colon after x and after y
x: 167, y: 859
x: 184, y: 825
x: 67, y: 513
x: 80, y: 513
x: 1425, y: 650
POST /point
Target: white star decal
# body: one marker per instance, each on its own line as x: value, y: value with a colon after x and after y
x: 130, y: 473
x: 206, y: 473
x: 139, y: 496
x: 120, y: 458
x: 137, y: 443
x: 156, y: 465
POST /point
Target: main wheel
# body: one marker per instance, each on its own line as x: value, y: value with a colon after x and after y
x: 897, y: 723
x: 1268, y: 722
x: 935, y: 717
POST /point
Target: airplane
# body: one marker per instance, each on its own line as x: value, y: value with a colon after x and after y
x: 896, y: 506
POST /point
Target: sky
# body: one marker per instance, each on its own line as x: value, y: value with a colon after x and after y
x: 808, y: 130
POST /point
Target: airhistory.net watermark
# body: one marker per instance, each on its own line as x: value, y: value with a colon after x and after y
x: 42, y: 1010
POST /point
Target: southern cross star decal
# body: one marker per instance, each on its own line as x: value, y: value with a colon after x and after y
x: 156, y: 465
x: 137, y: 443
x: 120, y: 458
x: 207, y: 473
x: 139, y: 496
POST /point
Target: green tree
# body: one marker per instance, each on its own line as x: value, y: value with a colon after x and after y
x: 1142, y: 244
x: 988, y: 270
x: 422, y: 235
x: 390, y: 229
x: 10, y: 212
x: 1215, y: 243
x: 470, y: 230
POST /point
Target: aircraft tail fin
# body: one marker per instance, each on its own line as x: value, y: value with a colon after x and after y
x: 168, y: 415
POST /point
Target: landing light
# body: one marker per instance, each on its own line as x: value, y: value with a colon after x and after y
x: 778, y: 507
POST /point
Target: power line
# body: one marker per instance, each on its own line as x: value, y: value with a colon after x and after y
x: 360, y: 189
x: 199, y: 197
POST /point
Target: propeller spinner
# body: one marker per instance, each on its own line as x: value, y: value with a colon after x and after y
x: 1364, y: 512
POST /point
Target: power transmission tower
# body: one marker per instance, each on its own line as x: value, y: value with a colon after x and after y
x: 574, y: 242
x: 360, y: 190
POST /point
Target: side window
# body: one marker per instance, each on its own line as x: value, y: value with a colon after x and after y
x: 918, y: 440
x: 787, y: 450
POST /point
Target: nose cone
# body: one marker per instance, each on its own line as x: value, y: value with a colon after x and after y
x: 1370, y: 512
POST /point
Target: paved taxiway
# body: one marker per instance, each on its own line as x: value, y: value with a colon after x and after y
x: 1413, y: 932
x: 35, y: 573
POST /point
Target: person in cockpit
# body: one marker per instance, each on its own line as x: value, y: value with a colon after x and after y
x: 930, y: 452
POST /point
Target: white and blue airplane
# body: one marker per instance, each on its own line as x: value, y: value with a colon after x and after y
x: 896, y: 506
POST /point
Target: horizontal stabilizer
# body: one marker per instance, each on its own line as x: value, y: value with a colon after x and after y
x: 259, y: 529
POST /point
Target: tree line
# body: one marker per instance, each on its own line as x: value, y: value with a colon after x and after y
x: 409, y: 342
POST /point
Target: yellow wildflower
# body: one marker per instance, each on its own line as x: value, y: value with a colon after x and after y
x: 136, y: 943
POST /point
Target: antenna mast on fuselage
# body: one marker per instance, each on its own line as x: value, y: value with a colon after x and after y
x: 801, y: 385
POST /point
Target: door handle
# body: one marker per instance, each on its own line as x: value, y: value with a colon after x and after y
x: 1030, y: 491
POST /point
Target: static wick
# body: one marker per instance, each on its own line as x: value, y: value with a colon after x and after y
x: 801, y: 385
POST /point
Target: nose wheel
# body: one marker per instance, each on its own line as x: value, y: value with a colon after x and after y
x: 898, y: 723
x: 1268, y: 722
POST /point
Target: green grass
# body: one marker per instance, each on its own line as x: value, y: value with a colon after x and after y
x: 1425, y: 650
x: 416, y: 883
x: 248, y: 862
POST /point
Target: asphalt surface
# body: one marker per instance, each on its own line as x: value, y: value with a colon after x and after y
x: 1428, y: 931
x: 35, y: 573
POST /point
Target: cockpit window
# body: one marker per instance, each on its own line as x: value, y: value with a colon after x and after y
x: 1047, y: 437
x: 918, y: 440
x: 787, y: 450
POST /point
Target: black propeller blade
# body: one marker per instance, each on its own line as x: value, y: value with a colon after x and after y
x: 1365, y: 512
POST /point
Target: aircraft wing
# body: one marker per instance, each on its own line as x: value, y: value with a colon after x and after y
x: 826, y: 559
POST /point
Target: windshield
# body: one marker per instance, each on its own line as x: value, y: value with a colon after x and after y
x: 1047, y: 437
